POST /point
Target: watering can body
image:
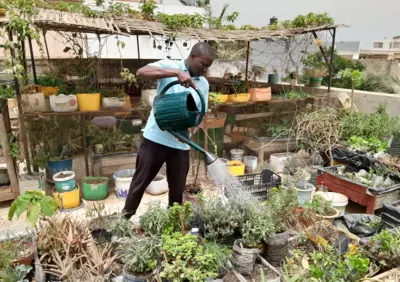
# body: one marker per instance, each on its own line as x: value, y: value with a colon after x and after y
x: 177, y: 112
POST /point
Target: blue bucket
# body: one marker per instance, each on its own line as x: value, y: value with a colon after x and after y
x: 54, y: 167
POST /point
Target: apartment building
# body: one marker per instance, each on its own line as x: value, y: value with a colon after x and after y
x: 388, y: 49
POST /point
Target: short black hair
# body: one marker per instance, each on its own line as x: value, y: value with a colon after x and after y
x: 202, y: 48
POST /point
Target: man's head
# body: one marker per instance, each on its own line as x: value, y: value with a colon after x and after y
x: 200, y: 59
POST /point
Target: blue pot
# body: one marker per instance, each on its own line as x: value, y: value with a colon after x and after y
x: 54, y: 167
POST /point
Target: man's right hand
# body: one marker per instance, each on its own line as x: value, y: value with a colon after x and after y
x: 186, y: 80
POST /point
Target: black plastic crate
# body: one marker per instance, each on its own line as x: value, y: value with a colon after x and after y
x: 259, y: 184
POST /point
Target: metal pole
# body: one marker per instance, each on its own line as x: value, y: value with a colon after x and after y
x: 20, y: 111
x: 331, y: 63
x: 47, y: 48
x: 321, y: 49
x: 85, y: 152
x: 247, y: 61
x: 138, y: 49
x: 33, y: 62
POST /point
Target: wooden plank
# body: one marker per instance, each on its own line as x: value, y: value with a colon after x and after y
x: 260, y: 115
x: 118, y: 160
x: 6, y: 194
x: 110, y: 170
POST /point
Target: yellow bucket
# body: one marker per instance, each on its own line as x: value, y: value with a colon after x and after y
x: 68, y: 200
x: 48, y: 90
x: 88, y: 102
x: 220, y: 98
x: 239, y: 98
x: 236, y: 168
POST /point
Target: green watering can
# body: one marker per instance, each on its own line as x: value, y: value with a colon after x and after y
x: 177, y: 112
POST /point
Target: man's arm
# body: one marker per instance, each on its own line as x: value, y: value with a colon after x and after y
x: 154, y: 73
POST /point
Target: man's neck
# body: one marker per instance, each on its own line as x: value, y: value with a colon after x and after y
x: 188, y: 68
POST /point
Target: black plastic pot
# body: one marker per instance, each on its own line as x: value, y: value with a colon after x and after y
x: 391, y: 215
x: 101, y: 233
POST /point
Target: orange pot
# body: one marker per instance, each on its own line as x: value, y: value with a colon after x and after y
x: 260, y: 94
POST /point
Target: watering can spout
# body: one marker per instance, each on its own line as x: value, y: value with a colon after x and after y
x: 209, y: 158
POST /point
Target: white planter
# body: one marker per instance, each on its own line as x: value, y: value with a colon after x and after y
x: 305, y: 195
x: 113, y: 102
x: 278, y: 160
x: 34, y: 102
x: 148, y: 96
x: 63, y: 103
x: 158, y: 186
x: 123, y: 180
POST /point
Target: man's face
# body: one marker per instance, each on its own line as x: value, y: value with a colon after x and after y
x: 199, y: 64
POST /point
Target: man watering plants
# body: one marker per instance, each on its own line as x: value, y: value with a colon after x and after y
x: 160, y: 146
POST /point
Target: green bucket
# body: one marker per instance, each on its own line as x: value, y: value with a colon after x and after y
x: 94, y: 188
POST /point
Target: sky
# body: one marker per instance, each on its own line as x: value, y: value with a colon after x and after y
x: 369, y: 20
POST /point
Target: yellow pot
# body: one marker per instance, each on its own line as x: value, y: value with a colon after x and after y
x: 68, y: 200
x: 236, y: 168
x: 48, y: 90
x: 220, y: 98
x: 88, y: 102
x: 239, y: 98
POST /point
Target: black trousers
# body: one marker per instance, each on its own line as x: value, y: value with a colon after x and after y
x: 150, y: 158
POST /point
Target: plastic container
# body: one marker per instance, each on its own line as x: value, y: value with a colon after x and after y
x: 259, y: 184
x: 65, y: 182
x: 305, y: 195
x: 57, y: 166
x: 94, y: 191
x: 220, y: 98
x: 260, y: 94
x: 88, y: 102
x: 236, y: 168
x: 251, y: 163
x: 278, y: 160
x: 63, y: 103
x: 68, y: 200
x: 158, y: 186
x: 237, y: 154
x: 33, y: 102
x: 123, y: 179
x: 339, y: 201
x: 239, y: 98
x: 113, y: 102
x: 148, y: 96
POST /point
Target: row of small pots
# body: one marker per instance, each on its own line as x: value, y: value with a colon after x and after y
x: 36, y: 102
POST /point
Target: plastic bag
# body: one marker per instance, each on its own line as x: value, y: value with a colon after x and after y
x: 359, y: 224
x: 391, y: 215
x: 351, y: 158
x: 243, y: 259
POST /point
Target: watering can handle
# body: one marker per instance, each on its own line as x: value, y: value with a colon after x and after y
x: 202, y: 102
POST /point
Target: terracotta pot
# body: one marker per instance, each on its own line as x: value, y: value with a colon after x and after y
x: 298, y: 210
x: 27, y: 260
x: 215, y: 121
x: 260, y: 94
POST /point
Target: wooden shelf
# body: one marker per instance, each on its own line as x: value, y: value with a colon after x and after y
x: 6, y: 193
x: 78, y: 113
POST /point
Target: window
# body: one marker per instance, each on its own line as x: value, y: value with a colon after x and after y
x: 378, y: 44
x: 396, y: 45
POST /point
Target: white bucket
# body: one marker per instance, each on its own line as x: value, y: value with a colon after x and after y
x: 339, y: 201
x: 278, y: 160
x: 305, y: 195
x: 123, y: 180
x: 158, y: 186
x: 251, y: 163
x: 237, y: 155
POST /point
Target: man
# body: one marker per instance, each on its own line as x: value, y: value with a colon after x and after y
x: 159, y: 146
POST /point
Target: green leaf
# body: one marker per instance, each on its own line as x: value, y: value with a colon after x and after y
x: 12, y: 210
x: 33, y: 214
x: 48, y: 206
x: 21, y: 207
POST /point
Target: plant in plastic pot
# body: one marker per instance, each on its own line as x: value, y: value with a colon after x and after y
x: 112, y: 98
x: 323, y: 208
x: 139, y: 256
x: 187, y: 260
x: 316, y: 75
x: 220, y: 221
x: 254, y: 231
x: 280, y: 205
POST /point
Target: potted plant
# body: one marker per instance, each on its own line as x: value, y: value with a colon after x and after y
x: 89, y: 100
x: 316, y: 76
x: 323, y: 209
x: 241, y: 94
x: 186, y: 260
x: 193, y: 193
x: 219, y: 222
x: 255, y: 230
x: 33, y: 101
x: 293, y: 78
x: 112, y: 98
x: 258, y: 93
x: 274, y: 78
x: 94, y: 188
x: 64, y: 181
x: 139, y: 256
x: 216, y: 119
x: 2, y: 8
x: 49, y: 84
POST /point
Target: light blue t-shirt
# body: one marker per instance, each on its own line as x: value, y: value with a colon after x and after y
x: 152, y: 131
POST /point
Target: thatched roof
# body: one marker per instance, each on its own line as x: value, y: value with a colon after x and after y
x: 72, y: 22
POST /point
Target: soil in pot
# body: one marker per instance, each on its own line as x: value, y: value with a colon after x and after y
x: 22, y: 251
x: 191, y: 192
x: 95, y: 181
x: 62, y: 175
